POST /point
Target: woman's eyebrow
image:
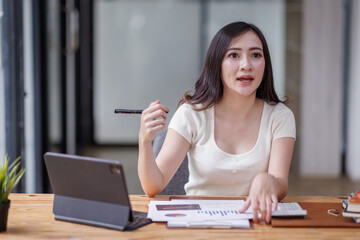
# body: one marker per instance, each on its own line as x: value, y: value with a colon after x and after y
x: 239, y: 49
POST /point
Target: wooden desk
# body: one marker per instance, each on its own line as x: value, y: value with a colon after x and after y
x: 31, y: 217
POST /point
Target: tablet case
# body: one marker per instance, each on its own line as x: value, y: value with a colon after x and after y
x: 89, y: 190
x: 317, y: 216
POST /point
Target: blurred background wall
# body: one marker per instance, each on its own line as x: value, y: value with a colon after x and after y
x: 70, y: 63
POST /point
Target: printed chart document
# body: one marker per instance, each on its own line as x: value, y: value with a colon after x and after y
x: 200, y: 213
x: 211, y: 213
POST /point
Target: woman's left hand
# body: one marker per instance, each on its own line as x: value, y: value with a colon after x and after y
x: 263, y: 197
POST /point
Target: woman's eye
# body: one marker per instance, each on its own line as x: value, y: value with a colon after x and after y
x: 233, y: 55
x: 257, y: 55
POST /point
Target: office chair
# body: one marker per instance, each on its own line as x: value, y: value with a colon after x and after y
x: 176, y: 185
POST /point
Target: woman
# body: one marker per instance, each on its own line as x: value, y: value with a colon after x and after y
x: 238, y: 135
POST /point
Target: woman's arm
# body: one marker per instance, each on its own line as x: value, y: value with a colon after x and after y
x: 155, y: 174
x: 279, y: 165
x: 269, y: 188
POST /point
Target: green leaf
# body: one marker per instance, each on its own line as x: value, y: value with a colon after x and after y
x: 9, y: 177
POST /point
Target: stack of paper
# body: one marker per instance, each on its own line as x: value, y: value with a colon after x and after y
x: 212, y: 213
x: 200, y: 213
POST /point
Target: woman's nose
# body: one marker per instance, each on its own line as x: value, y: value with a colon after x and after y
x: 245, y: 64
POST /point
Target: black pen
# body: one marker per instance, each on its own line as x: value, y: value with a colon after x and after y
x: 128, y: 111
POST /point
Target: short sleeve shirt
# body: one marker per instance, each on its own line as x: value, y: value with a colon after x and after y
x: 215, y: 172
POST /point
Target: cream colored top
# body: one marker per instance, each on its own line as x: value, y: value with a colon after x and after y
x: 215, y: 172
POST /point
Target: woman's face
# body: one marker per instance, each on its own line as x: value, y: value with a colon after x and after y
x: 242, y: 68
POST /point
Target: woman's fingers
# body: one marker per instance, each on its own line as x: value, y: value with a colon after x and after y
x: 263, y: 195
x: 274, y: 202
x: 255, y: 207
x: 155, y: 123
x: 264, y: 205
x: 153, y: 119
x: 155, y: 115
x: 154, y: 106
x: 245, y: 206
x: 154, y: 111
x: 263, y: 209
x: 155, y: 102
x: 268, y: 210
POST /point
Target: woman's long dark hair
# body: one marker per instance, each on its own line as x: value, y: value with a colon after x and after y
x: 209, y: 87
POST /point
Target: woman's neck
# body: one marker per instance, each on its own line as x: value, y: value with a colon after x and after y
x: 237, y: 107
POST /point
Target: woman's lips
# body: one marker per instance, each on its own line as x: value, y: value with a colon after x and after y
x: 245, y: 78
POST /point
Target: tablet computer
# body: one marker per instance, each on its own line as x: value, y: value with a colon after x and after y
x: 91, y: 191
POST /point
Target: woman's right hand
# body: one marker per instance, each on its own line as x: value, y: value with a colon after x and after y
x: 153, y: 119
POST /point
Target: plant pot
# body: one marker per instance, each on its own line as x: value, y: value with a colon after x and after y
x: 4, y: 212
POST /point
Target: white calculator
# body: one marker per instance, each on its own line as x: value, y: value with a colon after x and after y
x: 288, y: 210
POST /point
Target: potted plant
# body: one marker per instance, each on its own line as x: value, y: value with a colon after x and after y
x: 9, y: 178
